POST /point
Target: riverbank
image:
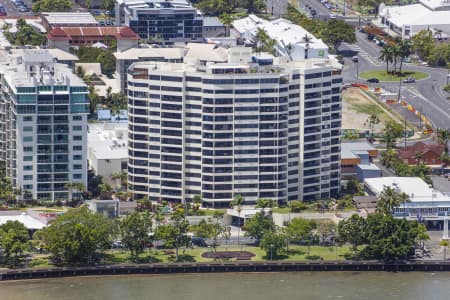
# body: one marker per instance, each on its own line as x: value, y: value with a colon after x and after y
x: 225, y: 267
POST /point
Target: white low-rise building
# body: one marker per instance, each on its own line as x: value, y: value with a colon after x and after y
x: 408, y: 20
x: 426, y: 204
x: 107, y: 150
x: 291, y: 40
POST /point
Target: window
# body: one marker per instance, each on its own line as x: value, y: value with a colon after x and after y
x: 77, y: 137
x: 27, y: 149
x: 77, y: 128
x: 27, y: 177
x: 28, y: 119
x: 28, y: 128
x: 77, y: 157
x: 77, y: 148
x: 27, y: 158
x: 77, y: 167
x: 28, y: 168
x: 77, y: 176
x: 27, y: 138
x: 27, y: 186
x: 77, y: 118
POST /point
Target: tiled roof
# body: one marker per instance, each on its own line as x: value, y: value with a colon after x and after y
x: 118, y: 32
x: 420, y: 147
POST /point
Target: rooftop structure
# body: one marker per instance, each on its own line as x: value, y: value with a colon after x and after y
x: 407, y: 20
x: 107, y: 149
x: 28, y: 221
x: 160, y: 20
x: 356, y: 160
x: 429, y: 154
x: 52, y: 19
x: 426, y: 203
x: 292, y: 40
x: 66, y: 37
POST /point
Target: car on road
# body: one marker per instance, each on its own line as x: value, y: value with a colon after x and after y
x: 333, y: 16
x: 406, y: 59
x: 355, y: 59
x: 373, y: 80
x: 409, y: 80
x: 23, y: 8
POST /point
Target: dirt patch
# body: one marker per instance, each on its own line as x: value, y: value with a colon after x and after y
x: 356, y: 109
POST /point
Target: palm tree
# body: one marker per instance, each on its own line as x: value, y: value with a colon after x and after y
x: 372, y: 120
x: 396, y: 53
x: 197, y: 200
x: 227, y: 20
x: 122, y: 176
x: 443, y: 136
x: 389, y: 157
x: 386, y: 55
x: 405, y: 51
x: 306, y: 39
x: 238, y: 201
x: 389, y: 199
x: 74, y: 187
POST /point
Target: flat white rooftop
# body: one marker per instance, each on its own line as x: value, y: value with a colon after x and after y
x: 28, y: 221
x: 414, y: 187
x: 108, y: 140
x: 75, y: 18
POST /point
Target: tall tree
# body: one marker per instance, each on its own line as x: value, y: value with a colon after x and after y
x: 353, y: 231
x: 405, y: 51
x: 13, y: 241
x: 386, y: 55
x: 237, y: 202
x: 174, y: 234
x: 299, y: 230
x: 77, y: 235
x: 73, y: 187
x: 336, y: 32
x: 258, y: 225
x: 423, y: 43
x: 272, y: 242
x: 389, y: 239
x: 135, y: 232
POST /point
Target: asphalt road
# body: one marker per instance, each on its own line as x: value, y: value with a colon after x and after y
x: 425, y: 95
x: 11, y: 9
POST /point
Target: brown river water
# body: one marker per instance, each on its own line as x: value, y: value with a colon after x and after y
x: 234, y: 286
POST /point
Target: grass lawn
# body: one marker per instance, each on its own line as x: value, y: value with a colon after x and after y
x: 383, y: 76
x: 294, y: 253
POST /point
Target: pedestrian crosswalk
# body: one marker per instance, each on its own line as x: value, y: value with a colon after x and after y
x: 362, y: 53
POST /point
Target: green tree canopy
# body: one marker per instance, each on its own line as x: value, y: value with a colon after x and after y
x: 299, y: 230
x: 77, y: 235
x: 174, y: 234
x: 423, y: 43
x: 272, y: 242
x: 51, y: 5
x: 258, y: 225
x: 336, y: 32
x: 389, y: 199
x: 353, y: 231
x: 135, y: 232
x: 392, y: 131
x: 389, y: 239
x: 14, y: 240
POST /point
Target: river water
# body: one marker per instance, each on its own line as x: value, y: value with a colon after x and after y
x: 233, y: 286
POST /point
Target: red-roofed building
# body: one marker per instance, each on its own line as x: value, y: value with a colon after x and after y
x: 430, y: 154
x: 66, y: 37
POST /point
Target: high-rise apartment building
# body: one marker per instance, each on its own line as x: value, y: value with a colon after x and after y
x: 160, y: 20
x: 43, y: 116
x: 259, y: 126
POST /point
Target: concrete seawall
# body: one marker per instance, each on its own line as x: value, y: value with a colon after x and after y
x: 177, y: 268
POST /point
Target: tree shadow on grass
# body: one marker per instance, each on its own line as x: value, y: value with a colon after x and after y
x: 296, y: 252
x: 182, y: 258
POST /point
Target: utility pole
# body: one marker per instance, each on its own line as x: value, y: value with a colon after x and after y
x: 398, y: 100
